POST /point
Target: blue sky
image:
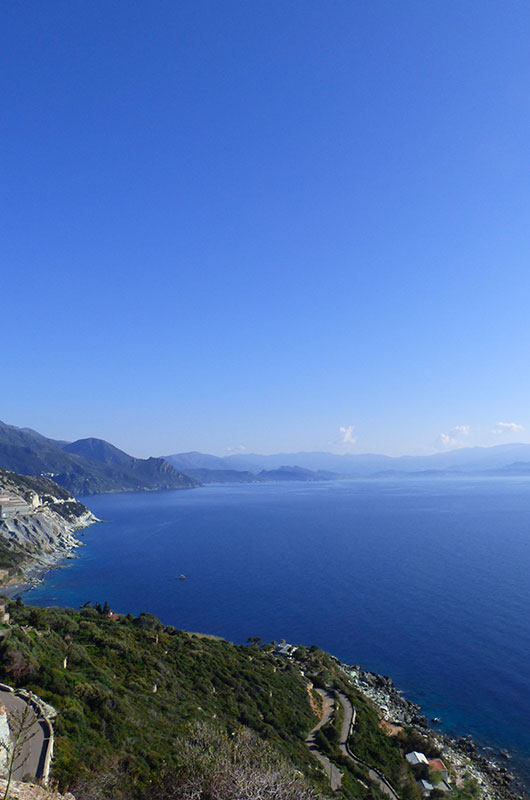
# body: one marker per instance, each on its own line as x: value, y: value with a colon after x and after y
x: 251, y: 224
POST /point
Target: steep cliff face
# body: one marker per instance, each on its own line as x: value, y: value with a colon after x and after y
x: 43, y: 533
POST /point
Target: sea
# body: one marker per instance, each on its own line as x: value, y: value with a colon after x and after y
x: 425, y: 580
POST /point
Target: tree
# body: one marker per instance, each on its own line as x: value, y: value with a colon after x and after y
x: 22, y: 728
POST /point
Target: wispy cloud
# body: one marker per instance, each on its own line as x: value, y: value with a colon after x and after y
x: 239, y: 449
x: 507, y: 427
x: 454, y: 438
x: 460, y: 430
x: 347, y: 434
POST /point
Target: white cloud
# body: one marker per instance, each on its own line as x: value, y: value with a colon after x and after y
x: 239, y: 449
x: 449, y: 442
x: 507, y: 427
x: 460, y: 430
x: 454, y: 438
x: 347, y: 434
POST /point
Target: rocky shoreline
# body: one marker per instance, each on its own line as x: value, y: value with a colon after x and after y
x: 462, y: 754
x: 38, y: 529
x: 49, y: 540
x: 38, y: 564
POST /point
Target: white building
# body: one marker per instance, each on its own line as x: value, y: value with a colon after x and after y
x: 415, y: 758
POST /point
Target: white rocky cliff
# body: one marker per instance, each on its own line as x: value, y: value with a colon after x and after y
x: 38, y: 521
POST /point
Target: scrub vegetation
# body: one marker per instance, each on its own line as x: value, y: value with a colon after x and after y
x: 148, y: 711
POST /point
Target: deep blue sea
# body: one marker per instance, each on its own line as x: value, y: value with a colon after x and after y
x: 423, y: 580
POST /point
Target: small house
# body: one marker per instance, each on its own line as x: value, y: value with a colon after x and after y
x: 414, y: 758
x: 426, y: 787
x: 285, y: 650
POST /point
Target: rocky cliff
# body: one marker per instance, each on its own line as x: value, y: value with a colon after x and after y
x: 37, y: 536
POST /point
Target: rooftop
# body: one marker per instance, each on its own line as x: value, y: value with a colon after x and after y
x: 437, y: 764
x: 416, y: 758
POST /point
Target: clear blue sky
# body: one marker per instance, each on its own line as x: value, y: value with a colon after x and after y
x: 253, y: 223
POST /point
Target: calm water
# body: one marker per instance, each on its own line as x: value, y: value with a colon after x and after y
x: 427, y: 581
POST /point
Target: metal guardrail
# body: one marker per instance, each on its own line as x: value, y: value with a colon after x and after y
x: 352, y: 755
x: 38, y: 706
x: 378, y: 772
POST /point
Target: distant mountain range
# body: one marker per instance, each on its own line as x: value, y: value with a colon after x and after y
x: 87, y: 466
x: 506, y: 458
x: 283, y: 473
x: 93, y: 466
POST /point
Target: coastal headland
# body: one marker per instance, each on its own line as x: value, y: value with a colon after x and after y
x: 39, y: 521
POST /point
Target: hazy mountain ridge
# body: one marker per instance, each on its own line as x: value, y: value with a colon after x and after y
x: 296, y: 473
x: 196, y: 460
x: 468, y: 460
x: 205, y: 475
x: 86, y: 466
x: 94, y: 466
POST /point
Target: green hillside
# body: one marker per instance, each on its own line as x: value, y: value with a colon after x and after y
x: 144, y: 709
x: 87, y: 466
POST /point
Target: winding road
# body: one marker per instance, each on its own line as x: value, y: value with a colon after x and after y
x: 328, y: 707
x: 346, y: 731
x: 34, y: 741
x: 334, y: 774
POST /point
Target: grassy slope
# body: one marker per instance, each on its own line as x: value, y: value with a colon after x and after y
x: 106, y: 694
x: 132, y: 691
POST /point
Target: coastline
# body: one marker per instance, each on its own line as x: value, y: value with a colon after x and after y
x: 58, y: 550
x: 492, y: 774
x: 37, y: 574
x: 495, y: 780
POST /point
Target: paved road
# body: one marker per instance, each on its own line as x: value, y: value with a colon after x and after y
x: 334, y: 774
x: 347, y: 726
x: 35, y: 744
